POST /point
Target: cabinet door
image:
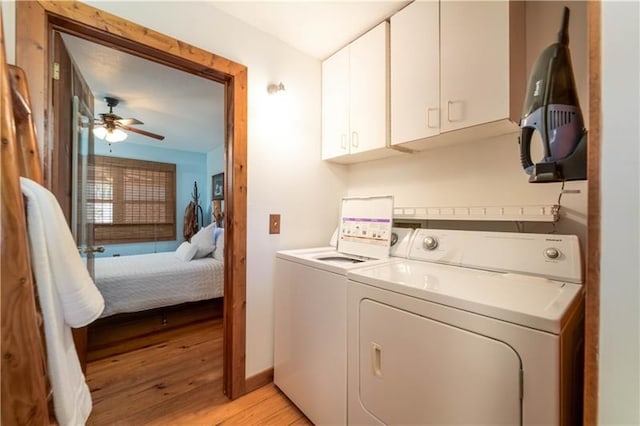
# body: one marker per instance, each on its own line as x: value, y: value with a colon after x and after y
x: 474, y: 62
x: 335, y: 105
x: 369, y: 87
x: 415, y: 72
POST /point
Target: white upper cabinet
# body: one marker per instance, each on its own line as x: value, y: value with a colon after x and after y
x: 481, y: 78
x: 335, y: 105
x: 415, y: 72
x: 355, y: 100
x: 369, y: 90
x: 474, y: 62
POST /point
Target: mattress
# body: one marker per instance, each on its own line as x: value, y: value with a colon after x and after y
x: 147, y: 281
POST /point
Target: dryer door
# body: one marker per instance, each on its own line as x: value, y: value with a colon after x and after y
x: 415, y: 370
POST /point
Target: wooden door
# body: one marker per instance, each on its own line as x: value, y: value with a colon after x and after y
x: 72, y: 100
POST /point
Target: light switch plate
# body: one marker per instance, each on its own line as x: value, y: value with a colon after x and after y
x: 274, y: 223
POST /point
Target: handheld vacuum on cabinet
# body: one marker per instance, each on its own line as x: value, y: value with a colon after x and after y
x: 551, y: 107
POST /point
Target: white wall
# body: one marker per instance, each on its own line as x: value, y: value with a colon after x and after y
x: 284, y: 165
x: 9, y: 27
x: 481, y: 173
x: 619, y: 380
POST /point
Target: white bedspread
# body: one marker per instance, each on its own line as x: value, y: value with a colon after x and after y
x: 147, y: 281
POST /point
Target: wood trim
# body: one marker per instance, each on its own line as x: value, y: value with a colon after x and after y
x: 235, y: 232
x: 31, y: 49
x: 30, y: 164
x: 33, y: 22
x: 24, y: 386
x: 258, y: 380
x: 592, y: 285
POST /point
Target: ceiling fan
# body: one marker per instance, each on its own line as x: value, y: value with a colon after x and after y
x: 110, y: 126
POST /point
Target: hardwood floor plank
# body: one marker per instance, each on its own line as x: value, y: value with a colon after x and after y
x: 275, y: 410
x: 178, y: 381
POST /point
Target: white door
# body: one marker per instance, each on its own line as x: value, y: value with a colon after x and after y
x: 415, y: 72
x: 474, y: 62
x: 415, y: 370
x: 335, y: 105
x: 369, y: 88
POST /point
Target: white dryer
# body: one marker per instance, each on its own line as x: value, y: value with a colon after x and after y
x: 310, y: 324
x: 474, y: 328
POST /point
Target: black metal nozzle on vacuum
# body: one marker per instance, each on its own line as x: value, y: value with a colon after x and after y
x: 563, y: 35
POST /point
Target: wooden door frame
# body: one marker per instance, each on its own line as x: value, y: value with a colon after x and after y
x: 35, y: 22
x: 592, y: 283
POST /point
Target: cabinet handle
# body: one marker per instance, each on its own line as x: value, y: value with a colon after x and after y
x: 343, y: 141
x: 429, y: 120
x: 376, y: 359
x: 355, y: 140
x: 449, y: 104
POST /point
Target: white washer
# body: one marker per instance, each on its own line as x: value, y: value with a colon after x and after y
x: 496, y: 339
x: 310, y: 331
x: 310, y: 327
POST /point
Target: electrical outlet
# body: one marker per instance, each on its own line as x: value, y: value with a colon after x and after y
x: 274, y: 223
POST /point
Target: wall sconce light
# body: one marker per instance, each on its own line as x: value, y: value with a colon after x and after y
x: 275, y: 88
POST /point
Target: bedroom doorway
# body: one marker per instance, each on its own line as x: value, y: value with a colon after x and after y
x: 35, y: 24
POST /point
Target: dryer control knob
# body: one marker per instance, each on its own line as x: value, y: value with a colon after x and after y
x: 552, y: 253
x: 430, y: 243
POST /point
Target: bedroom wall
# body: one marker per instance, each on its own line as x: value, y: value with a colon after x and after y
x: 284, y: 163
x: 190, y: 167
x: 215, y: 165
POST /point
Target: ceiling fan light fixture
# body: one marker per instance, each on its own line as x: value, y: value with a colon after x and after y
x: 100, y: 132
x: 115, y: 135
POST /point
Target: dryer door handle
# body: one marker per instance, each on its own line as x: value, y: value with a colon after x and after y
x: 376, y: 359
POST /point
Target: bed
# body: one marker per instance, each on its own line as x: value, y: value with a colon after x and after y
x: 147, y: 281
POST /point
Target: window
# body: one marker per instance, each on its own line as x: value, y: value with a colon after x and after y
x: 131, y: 200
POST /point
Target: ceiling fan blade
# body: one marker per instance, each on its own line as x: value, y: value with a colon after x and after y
x: 128, y: 121
x: 142, y: 132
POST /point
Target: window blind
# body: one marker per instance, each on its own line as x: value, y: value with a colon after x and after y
x: 131, y: 200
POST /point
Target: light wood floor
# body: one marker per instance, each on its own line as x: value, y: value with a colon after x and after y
x: 178, y: 381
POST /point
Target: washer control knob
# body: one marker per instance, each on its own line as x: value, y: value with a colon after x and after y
x: 430, y: 243
x: 551, y: 253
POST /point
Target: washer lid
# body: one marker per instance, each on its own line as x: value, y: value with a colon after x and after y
x: 533, y: 302
x: 365, y: 226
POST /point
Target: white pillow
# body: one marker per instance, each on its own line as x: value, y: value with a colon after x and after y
x: 203, y: 240
x: 218, y: 253
x: 186, y: 251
